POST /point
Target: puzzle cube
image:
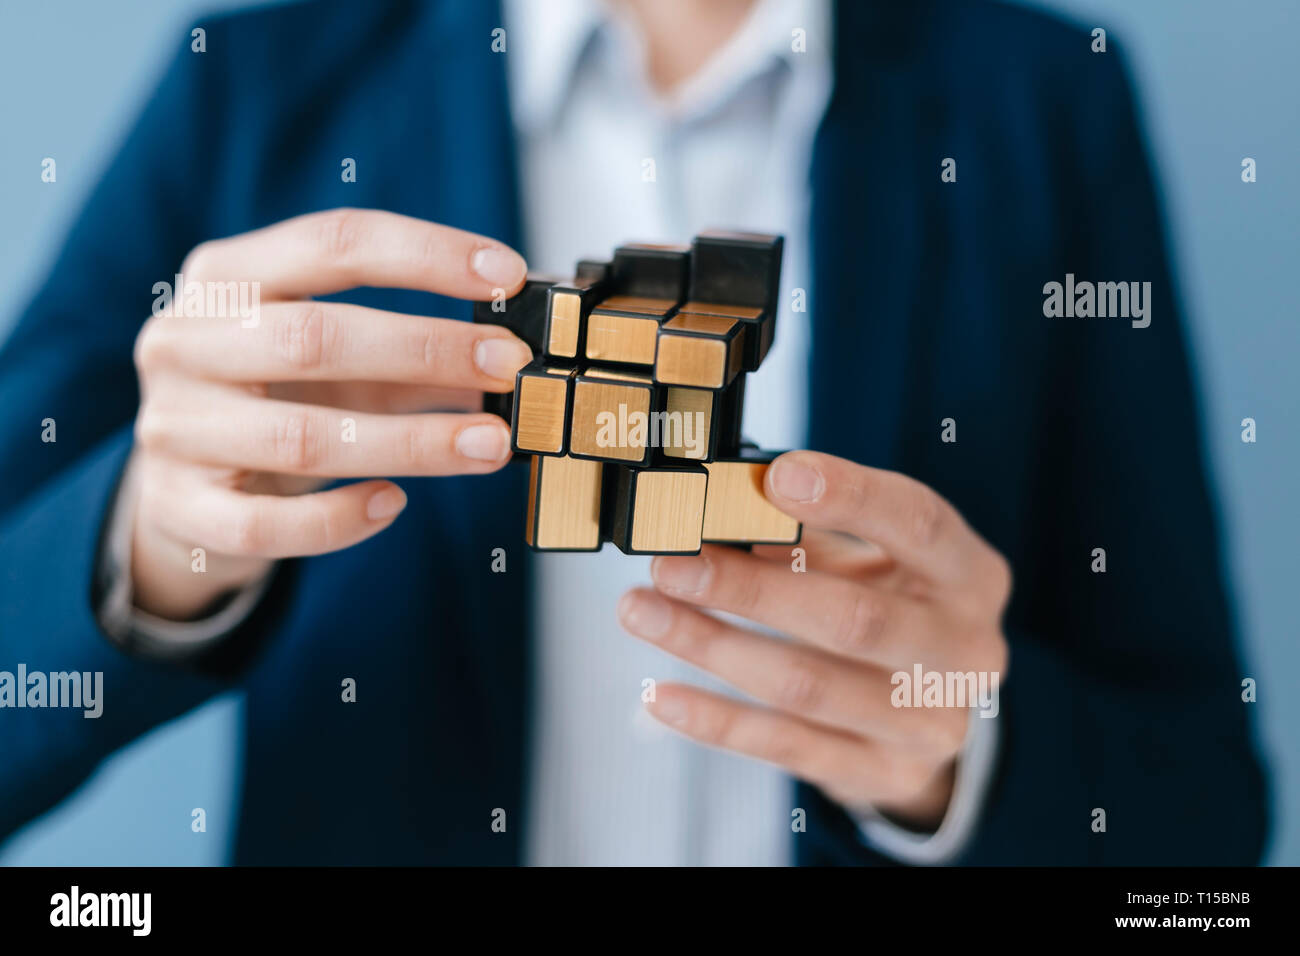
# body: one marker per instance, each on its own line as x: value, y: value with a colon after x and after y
x: 631, y: 411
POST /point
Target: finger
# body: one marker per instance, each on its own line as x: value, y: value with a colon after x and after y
x: 848, y: 618
x: 271, y: 527
x: 828, y: 758
x: 794, y: 678
x: 330, y: 341
x: 911, y: 522
x: 326, y: 252
x: 234, y: 429
x: 379, y: 397
x: 830, y: 552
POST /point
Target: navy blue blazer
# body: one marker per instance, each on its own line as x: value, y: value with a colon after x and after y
x: 1123, y: 687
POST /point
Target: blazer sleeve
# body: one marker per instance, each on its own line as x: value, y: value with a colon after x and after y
x: 1123, y: 695
x: 68, y: 396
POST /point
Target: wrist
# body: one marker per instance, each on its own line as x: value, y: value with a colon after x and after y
x: 177, y: 583
x: 926, y: 811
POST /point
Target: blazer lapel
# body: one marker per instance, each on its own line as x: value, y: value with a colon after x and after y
x: 456, y: 140
x: 874, y: 160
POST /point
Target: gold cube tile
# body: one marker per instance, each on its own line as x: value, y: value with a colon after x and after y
x: 668, y: 510
x: 704, y: 351
x: 543, y: 401
x: 564, y: 504
x: 613, y: 337
x: 600, y: 391
x: 566, y: 322
x: 737, y: 509
x: 683, y: 406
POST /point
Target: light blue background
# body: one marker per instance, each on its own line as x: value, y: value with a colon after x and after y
x: 1218, y: 81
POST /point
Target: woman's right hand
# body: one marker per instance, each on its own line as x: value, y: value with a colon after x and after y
x: 242, y: 420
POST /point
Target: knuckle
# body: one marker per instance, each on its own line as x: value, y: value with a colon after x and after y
x: 783, y: 747
x: 433, y: 247
x: 151, y: 428
x: 862, y: 625
x: 925, y: 519
x: 698, y: 636
x: 862, y: 486
x: 1002, y: 576
x: 299, y: 442
x: 152, y: 490
x: 199, y: 261
x: 151, y: 345
x: 328, y: 528
x: 246, y: 534
x: 855, y: 495
x: 417, y: 449
x: 435, y: 352
x: 802, y: 688
x: 308, y: 337
x: 743, y: 591
x: 340, y: 232
x: 717, y: 726
x: 310, y: 530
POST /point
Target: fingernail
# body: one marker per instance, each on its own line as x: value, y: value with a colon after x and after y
x: 684, y: 575
x: 483, y: 442
x: 670, y: 710
x: 501, y: 267
x: 501, y: 358
x: 645, y: 614
x: 797, y: 482
x: 384, y: 504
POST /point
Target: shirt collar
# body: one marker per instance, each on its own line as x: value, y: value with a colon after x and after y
x: 549, y: 41
x: 545, y: 44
